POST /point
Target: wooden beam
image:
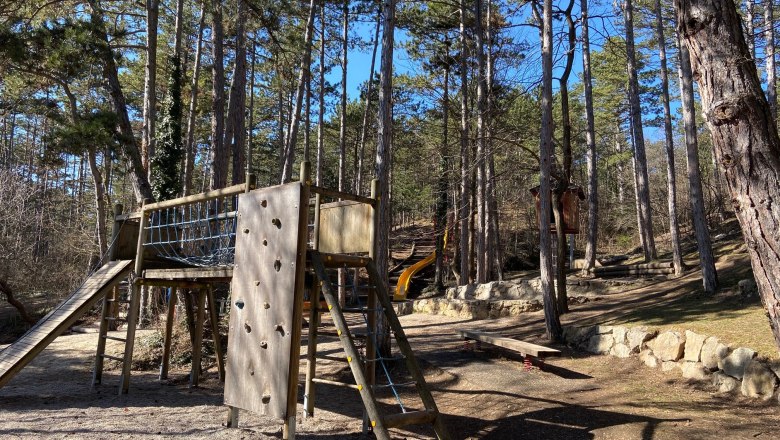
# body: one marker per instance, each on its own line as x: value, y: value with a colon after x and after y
x: 332, y: 193
x: 188, y: 273
x: 522, y: 347
x: 410, y: 418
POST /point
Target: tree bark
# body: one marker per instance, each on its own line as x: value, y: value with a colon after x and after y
x: 769, y: 55
x: 479, y: 159
x: 295, y: 116
x: 590, y: 138
x: 465, y: 166
x: 343, y: 108
x: 130, y: 151
x: 189, y: 148
x: 321, y: 99
x: 708, y: 273
x: 150, y: 83
x: 744, y: 133
x: 219, y: 164
x: 383, y: 157
x: 366, y: 109
x: 642, y: 180
x: 671, y: 176
x: 235, y: 127
x: 6, y: 290
x: 442, y: 196
x: 494, y: 252
x: 552, y: 322
x: 749, y: 20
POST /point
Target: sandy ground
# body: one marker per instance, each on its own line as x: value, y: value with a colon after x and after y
x: 483, y: 393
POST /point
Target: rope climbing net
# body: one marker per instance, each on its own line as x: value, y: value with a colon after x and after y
x: 201, y: 233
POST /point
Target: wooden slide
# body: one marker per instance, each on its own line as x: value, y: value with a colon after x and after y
x: 14, y: 357
x: 406, y: 276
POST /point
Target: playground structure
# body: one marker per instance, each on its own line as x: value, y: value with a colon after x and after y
x: 275, y: 246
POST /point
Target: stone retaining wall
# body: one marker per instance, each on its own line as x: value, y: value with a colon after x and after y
x: 698, y: 357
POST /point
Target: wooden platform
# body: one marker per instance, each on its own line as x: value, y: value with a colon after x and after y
x: 187, y: 275
x: 14, y: 357
x: 522, y: 347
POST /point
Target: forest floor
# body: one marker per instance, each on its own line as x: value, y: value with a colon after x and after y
x: 483, y: 393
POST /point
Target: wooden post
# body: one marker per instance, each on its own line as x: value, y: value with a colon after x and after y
x: 214, y: 319
x: 288, y: 432
x: 135, y: 300
x: 371, y: 327
x: 169, y: 319
x: 197, y: 347
x: 314, y: 322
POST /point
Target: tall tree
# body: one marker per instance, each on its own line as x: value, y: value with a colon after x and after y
x: 750, y: 8
x: 479, y: 159
x: 235, y: 126
x: 150, y: 82
x: 383, y: 156
x: 366, y: 109
x: 590, y: 138
x: 189, y: 147
x: 708, y: 274
x: 321, y: 98
x: 744, y: 134
x: 343, y: 107
x: 671, y: 176
x: 218, y: 153
x: 641, y: 177
x: 552, y: 322
x: 465, y: 166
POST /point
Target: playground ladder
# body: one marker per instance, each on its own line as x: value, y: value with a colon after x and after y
x: 364, y: 378
x: 109, y: 319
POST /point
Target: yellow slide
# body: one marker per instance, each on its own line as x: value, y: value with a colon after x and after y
x: 406, y: 276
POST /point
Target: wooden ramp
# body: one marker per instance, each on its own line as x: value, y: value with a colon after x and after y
x: 14, y: 357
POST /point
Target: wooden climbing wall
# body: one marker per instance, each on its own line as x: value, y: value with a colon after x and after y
x: 264, y: 336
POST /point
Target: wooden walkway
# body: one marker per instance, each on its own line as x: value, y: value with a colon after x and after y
x: 14, y: 357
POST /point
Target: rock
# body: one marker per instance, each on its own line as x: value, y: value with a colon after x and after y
x: 669, y: 365
x: 748, y: 288
x: 619, y: 333
x: 620, y: 350
x: 712, y: 352
x: 694, y: 370
x: 734, y: 364
x: 668, y: 346
x: 648, y: 358
x: 724, y: 382
x: 637, y: 336
x: 758, y: 380
x: 693, y: 345
x: 600, y: 343
x: 576, y: 336
x: 603, y: 329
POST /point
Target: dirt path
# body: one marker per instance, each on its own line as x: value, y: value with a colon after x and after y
x: 484, y: 394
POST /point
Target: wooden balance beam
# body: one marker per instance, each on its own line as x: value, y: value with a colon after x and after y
x: 525, y: 349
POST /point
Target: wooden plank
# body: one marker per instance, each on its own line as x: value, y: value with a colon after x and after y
x: 262, y: 300
x: 189, y: 273
x: 522, y: 347
x: 342, y: 260
x: 334, y: 194
x: 345, y: 227
x: 20, y: 353
x: 202, y: 197
x: 410, y: 418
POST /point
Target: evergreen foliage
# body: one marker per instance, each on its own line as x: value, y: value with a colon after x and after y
x: 166, y: 163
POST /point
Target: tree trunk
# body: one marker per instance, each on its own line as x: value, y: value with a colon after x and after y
x: 189, y: 148
x: 671, y: 176
x: 465, y: 165
x: 590, y: 137
x: 494, y: 257
x: 441, y: 199
x: 366, y: 109
x: 480, y: 156
x: 642, y: 181
x: 749, y: 20
x: 150, y: 83
x: 321, y: 99
x: 295, y: 116
x: 251, y: 127
x: 744, y: 134
x: 383, y: 158
x: 708, y: 274
x: 552, y: 322
x: 132, y: 155
x: 343, y: 108
x: 235, y: 128
x: 219, y: 165
x: 769, y: 55
x: 6, y: 290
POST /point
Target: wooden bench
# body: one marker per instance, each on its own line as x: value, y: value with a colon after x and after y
x: 526, y: 349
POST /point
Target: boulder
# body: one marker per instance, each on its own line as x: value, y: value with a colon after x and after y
x: 668, y: 346
x: 648, y: 358
x: 724, y: 382
x: 694, y: 370
x: 637, y: 336
x: 712, y: 352
x: 693, y: 344
x: 620, y: 350
x: 669, y: 365
x: 758, y: 380
x: 748, y: 288
x: 734, y: 364
x: 619, y: 333
x: 600, y: 343
x: 576, y: 336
